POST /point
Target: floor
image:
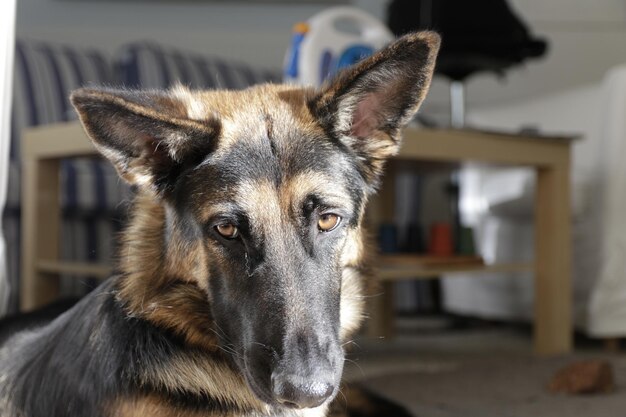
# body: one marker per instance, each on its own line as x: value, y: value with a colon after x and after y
x: 481, y: 371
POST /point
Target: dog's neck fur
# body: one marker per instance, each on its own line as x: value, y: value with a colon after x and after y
x: 153, y: 257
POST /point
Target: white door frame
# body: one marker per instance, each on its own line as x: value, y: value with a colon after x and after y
x: 7, y: 47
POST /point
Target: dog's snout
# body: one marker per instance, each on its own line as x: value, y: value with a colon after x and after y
x: 308, y: 371
x: 294, y: 391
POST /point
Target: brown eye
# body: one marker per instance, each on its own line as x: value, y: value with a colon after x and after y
x: 328, y: 222
x: 228, y: 230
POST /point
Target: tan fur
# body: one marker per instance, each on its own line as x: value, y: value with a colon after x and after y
x: 255, y: 113
x: 148, y: 406
x: 149, y: 290
x: 202, y: 374
x: 305, y: 183
x: 151, y: 406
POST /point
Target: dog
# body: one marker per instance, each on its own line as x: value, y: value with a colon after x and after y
x: 242, y: 270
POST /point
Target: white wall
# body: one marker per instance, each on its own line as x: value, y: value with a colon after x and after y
x: 586, y: 37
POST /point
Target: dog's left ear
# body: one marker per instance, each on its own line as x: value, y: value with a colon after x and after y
x: 367, y: 105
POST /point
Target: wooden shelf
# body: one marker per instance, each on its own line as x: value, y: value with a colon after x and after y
x: 404, y: 267
x: 60, y: 267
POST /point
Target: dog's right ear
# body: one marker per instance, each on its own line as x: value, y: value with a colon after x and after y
x: 148, y: 136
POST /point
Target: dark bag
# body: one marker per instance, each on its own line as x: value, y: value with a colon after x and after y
x: 477, y: 36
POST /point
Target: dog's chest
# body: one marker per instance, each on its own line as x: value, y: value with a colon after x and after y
x: 156, y: 407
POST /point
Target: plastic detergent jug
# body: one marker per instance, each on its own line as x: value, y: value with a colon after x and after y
x: 332, y: 39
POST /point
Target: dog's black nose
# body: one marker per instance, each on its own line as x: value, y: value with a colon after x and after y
x: 295, y: 392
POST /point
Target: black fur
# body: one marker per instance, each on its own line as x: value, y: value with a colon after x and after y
x: 72, y: 367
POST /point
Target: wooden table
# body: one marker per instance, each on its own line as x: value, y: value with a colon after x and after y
x: 44, y: 147
x: 550, y: 157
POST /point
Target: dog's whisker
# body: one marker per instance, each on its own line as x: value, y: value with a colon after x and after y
x: 270, y: 349
x: 345, y: 399
x: 222, y: 333
x: 228, y: 346
x: 230, y: 351
x: 351, y: 342
x: 357, y: 365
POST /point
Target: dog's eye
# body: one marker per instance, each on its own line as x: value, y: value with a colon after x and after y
x: 328, y: 222
x: 228, y: 230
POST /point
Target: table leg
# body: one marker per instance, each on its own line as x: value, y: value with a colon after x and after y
x: 381, y: 210
x: 612, y: 345
x: 553, y: 288
x: 40, y: 230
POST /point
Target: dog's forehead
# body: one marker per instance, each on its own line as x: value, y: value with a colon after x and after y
x: 283, y: 106
x: 271, y: 148
x: 261, y: 120
x: 269, y: 128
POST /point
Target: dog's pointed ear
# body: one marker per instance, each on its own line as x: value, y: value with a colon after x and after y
x: 148, y: 136
x: 367, y: 105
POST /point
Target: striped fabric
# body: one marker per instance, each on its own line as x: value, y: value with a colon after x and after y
x: 148, y: 65
x: 44, y: 75
x: 93, y: 198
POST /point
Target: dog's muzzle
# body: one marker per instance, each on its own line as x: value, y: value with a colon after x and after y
x: 304, y: 373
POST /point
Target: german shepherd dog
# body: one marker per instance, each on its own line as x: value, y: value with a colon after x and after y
x: 241, y: 272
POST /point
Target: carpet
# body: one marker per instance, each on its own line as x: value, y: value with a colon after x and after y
x: 484, y: 374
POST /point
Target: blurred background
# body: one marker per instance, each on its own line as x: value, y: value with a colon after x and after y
x: 586, y: 38
x: 523, y: 70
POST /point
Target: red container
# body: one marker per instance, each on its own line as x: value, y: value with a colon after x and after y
x: 440, y: 242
